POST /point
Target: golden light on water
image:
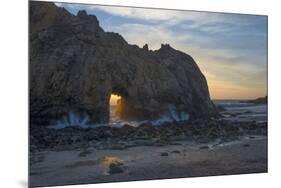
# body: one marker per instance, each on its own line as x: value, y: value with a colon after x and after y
x: 107, y: 160
x: 113, y: 99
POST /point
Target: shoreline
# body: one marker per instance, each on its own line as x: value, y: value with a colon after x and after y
x: 197, y: 148
x: 91, y: 165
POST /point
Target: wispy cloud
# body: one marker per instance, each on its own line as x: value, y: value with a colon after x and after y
x: 153, y: 35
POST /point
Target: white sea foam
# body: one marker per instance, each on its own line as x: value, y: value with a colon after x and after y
x: 243, y: 111
x: 74, y: 119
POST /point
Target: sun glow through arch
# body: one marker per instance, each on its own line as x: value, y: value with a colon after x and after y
x: 114, y: 99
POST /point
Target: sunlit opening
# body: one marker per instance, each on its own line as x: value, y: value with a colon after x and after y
x: 115, y: 107
x: 114, y: 99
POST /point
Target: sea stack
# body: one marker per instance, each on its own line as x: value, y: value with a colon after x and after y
x: 75, y: 66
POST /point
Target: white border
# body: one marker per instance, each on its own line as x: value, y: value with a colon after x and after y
x: 14, y: 104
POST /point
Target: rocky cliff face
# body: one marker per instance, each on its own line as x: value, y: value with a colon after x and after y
x: 75, y: 66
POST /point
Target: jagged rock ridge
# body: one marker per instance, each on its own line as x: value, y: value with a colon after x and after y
x: 75, y: 66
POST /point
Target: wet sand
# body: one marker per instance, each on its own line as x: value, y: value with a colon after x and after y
x: 183, y: 159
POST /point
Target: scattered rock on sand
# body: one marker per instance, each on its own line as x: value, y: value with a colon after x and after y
x: 117, y: 147
x: 201, y: 131
x: 116, y: 168
x: 164, y: 154
x: 84, y: 153
x: 204, y: 147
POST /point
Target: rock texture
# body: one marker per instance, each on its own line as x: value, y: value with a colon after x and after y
x: 112, y: 138
x: 75, y: 66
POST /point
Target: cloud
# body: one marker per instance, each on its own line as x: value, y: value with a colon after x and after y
x: 152, y: 35
x: 204, y: 21
x: 195, y: 19
x: 141, y: 13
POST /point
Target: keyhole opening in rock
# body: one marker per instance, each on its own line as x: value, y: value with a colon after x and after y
x: 115, y: 107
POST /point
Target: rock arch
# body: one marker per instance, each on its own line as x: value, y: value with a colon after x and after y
x: 75, y: 66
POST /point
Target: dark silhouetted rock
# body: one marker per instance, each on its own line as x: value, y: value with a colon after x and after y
x: 204, y: 147
x: 115, y: 168
x: 84, y: 153
x: 164, y: 154
x: 145, y: 47
x: 75, y: 66
x: 261, y: 100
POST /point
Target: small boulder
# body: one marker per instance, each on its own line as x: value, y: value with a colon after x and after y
x: 115, y: 168
x: 84, y: 153
x: 164, y: 154
x: 204, y: 147
x: 246, y: 145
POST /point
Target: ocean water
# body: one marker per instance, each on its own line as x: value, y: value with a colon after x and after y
x: 243, y: 110
x: 235, y: 110
x: 73, y: 119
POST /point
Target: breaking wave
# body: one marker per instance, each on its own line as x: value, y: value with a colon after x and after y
x: 73, y: 119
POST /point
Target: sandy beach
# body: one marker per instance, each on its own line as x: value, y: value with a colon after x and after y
x: 182, y: 159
